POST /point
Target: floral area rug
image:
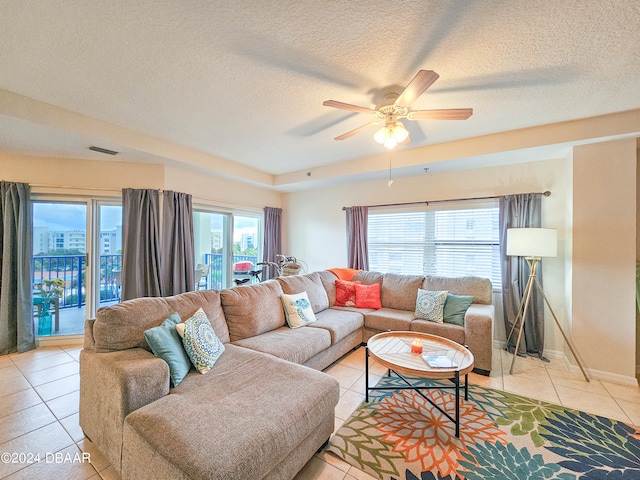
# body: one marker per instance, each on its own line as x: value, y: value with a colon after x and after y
x: 398, y: 435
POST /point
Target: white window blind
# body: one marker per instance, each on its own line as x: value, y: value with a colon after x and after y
x: 449, y: 241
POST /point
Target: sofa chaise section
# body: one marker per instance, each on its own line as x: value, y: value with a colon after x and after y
x: 118, y: 373
x: 238, y: 421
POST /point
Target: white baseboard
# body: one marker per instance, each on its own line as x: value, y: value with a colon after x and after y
x: 575, y: 369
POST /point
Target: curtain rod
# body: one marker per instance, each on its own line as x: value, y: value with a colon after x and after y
x: 546, y: 194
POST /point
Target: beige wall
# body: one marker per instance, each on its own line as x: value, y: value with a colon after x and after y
x: 316, y: 222
x: 107, y: 178
x: 590, y: 285
x: 604, y: 253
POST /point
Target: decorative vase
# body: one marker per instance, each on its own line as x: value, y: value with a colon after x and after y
x: 44, y: 320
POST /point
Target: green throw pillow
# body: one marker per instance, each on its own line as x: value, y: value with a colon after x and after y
x: 200, y: 341
x: 166, y: 344
x: 455, y: 307
x: 430, y: 305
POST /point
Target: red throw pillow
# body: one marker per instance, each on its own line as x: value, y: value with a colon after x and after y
x: 345, y: 293
x: 368, y: 296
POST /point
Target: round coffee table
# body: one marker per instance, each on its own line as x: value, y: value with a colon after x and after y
x: 393, y: 351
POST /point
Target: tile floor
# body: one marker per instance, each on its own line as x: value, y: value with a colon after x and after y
x: 39, y: 408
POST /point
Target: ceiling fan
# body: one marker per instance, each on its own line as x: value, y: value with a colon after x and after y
x: 396, y: 106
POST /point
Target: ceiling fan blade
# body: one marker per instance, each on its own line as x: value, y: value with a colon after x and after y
x: 406, y: 140
x: 445, y: 114
x: 356, y: 131
x: 346, y: 106
x: 423, y: 80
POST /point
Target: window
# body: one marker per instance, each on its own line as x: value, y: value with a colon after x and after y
x: 65, y: 249
x: 229, y: 243
x: 211, y: 244
x: 454, y: 241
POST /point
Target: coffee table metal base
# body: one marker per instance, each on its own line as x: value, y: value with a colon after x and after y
x: 456, y: 386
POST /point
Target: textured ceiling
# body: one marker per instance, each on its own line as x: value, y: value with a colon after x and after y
x: 242, y: 82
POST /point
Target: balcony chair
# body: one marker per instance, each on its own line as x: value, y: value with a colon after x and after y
x: 202, y: 273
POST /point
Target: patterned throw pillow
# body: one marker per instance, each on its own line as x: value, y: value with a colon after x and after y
x: 166, y: 344
x: 345, y: 293
x: 430, y: 305
x: 368, y: 296
x: 200, y: 341
x: 297, y: 309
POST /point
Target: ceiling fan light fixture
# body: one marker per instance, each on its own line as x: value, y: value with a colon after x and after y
x: 399, y: 132
x: 391, y: 135
x: 382, y: 135
x: 390, y: 143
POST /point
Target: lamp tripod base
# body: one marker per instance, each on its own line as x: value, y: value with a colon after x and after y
x: 522, y: 314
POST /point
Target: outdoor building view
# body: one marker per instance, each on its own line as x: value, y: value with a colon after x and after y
x: 66, y: 291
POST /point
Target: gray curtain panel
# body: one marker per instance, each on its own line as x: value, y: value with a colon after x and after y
x: 17, y: 330
x: 357, y: 248
x: 520, y: 211
x: 140, y: 243
x: 178, y: 255
x: 272, y: 238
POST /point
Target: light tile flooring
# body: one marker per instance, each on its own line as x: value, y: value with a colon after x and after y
x: 39, y: 408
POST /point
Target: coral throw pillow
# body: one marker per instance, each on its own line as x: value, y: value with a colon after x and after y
x: 368, y: 296
x: 345, y: 293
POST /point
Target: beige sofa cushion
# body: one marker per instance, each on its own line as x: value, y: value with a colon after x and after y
x: 310, y: 283
x: 122, y: 326
x: 388, y: 319
x: 479, y: 287
x: 236, y: 422
x: 252, y: 309
x: 340, y: 323
x: 295, y: 345
x: 446, y: 330
x: 400, y: 291
x: 368, y: 278
x: 328, y: 280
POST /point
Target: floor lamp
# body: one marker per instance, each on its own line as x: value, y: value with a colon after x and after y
x: 533, y: 244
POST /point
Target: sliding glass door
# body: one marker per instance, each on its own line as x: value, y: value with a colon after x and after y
x: 59, y: 267
x: 247, y: 243
x: 108, y: 254
x: 227, y: 247
x: 66, y: 287
x: 211, y: 245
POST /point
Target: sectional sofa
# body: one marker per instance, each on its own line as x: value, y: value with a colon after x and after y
x: 261, y: 412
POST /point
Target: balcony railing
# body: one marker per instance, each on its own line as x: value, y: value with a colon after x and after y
x: 72, y: 269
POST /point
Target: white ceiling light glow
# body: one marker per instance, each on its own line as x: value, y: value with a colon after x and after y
x: 391, y: 134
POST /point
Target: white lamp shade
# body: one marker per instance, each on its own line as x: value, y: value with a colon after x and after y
x: 532, y: 242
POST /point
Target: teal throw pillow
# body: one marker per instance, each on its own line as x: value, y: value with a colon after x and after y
x: 430, y: 305
x: 455, y: 308
x: 200, y: 341
x: 166, y: 344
